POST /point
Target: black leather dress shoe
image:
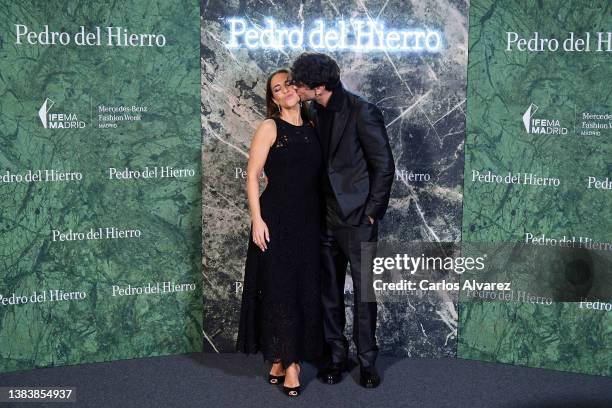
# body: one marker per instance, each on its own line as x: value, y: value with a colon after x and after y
x: 369, y: 377
x: 332, y: 374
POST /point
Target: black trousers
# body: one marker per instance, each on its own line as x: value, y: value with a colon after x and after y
x: 341, y: 244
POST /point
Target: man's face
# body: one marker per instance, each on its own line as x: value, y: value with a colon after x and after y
x: 305, y: 93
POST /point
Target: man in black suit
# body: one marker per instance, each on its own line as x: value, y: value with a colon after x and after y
x: 359, y: 171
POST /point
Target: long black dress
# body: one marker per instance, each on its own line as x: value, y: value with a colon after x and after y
x: 281, y: 305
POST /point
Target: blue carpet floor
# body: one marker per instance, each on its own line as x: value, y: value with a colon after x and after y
x: 233, y: 380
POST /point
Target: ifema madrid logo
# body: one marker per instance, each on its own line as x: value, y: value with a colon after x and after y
x: 54, y: 120
x: 541, y: 126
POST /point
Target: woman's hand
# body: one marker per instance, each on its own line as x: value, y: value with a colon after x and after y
x: 261, y: 235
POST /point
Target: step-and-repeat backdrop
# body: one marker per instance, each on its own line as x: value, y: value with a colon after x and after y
x: 100, y: 227
x: 103, y: 194
x: 536, y: 174
x: 409, y: 58
x: 539, y: 173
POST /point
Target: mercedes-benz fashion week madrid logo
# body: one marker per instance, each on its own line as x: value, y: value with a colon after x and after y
x: 58, y: 120
x: 539, y: 125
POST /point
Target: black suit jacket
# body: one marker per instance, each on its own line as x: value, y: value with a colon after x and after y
x: 360, y: 166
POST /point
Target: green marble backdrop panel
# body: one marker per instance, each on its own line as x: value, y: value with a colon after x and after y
x: 525, y: 186
x: 110, y: 293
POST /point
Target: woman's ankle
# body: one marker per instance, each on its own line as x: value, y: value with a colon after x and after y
x: 277, y: 368
x: 292, y: 375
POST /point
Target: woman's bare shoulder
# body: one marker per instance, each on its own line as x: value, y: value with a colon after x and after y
x: 266, y: 131
x: 267, y: 125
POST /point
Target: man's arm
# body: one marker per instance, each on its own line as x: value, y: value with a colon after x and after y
x: 375, y: 143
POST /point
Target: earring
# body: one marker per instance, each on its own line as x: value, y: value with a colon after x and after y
x: 279, y: 108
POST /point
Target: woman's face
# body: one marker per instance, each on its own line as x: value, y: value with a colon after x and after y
x: 283, y: 94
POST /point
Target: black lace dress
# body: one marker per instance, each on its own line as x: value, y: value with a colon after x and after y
x: 281, y: 306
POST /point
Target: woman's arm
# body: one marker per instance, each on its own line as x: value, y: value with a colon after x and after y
x: 264, y: 138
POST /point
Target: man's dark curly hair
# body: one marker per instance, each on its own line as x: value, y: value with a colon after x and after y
x: 315, y: 69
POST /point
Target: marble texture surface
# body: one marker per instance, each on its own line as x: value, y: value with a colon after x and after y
x: 99, y: 327
x: 563, y: 84
x: 422, y: 97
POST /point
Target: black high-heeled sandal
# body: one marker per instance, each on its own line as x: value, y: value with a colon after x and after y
x: 292, y: 391
x: 276, y: 379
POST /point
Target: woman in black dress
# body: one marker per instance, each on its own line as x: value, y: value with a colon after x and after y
x: 281, y: 307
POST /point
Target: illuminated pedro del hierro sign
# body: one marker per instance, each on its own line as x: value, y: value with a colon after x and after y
x: 354, y: 35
